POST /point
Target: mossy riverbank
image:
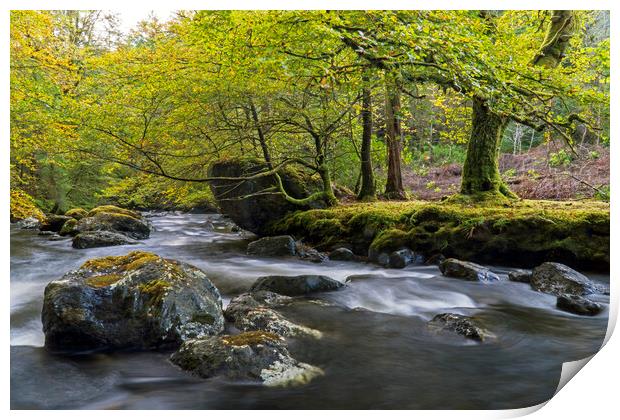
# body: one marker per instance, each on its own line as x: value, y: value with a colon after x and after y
x: 521, y: 233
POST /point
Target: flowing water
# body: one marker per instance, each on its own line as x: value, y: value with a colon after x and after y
x: 376, y: 350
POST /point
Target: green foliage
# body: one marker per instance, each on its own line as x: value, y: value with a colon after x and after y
x: 23, y: 206
x: 560, y: 158
x: 136, y: 120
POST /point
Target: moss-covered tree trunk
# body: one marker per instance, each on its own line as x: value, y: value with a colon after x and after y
x: 559, y: 33
x: 394, y: 185
x: 367, y: 190
x: 481, y: 169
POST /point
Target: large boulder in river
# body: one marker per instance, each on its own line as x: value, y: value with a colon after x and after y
x: 96, y: 239
x: 135, y: 301
x: 254, y: 204
x: 273, y: 246
x: 466, y: 270
x: 54, y: 222
x: 296, y: 285
x: 558, y: 279
x: 255, y: 355
x: 127, y: 223
x: 255, y: 311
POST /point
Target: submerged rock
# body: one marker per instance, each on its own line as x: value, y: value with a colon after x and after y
x: 255, y: 355
x: 452, y: 267
x: 273, y: 246
x: 254, y: 311
x: 98, y: 239
x: 296, y: 285
x: 342, y: 254
x: 135, y: 301
x: 578, y: 305
x: 459, y: 324
x: 558, y: 279
x: 54, y: 222
x: 128, y: 225
x: 520, y: 276
x: 29, y: 223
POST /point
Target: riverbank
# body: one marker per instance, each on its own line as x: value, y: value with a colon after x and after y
x: 523, y: 233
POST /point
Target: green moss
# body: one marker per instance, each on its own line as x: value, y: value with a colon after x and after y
x: 23, y: 206
x: 154, y: 287
x: 114, y: 210
x: 250, y: 338
x: 104, y: 280
x: 77, y: 213
x: 68, y: 228
x: 121, y: 262
x: 523, y: 232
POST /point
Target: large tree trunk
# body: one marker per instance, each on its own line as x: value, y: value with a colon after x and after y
x: 367, y: 191
x: 481, y: 169
x: 559, y: 32
x: 394, y: 185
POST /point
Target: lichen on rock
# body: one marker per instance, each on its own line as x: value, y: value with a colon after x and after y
x: 254, y: 355
x: 134, y: 301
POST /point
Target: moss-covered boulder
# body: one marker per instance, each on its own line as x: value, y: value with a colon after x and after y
x: 255, y: 355
x: 69, y: 228
x: 134, y: 301
x: 77, y: 213
x: 128, y: 223
x: 22, y: 206
x: 254, y: 204
x: 115, y: 210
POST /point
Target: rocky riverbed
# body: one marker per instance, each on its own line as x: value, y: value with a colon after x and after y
x: 389, y: 338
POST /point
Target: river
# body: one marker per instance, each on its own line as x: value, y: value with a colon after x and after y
x: 376, y: 350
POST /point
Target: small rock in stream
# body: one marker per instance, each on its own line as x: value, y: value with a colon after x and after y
x: 558, y: 279
x: 273, y: 246
x: 578, y: 305
x: 254, y: 355
x: 296, y: 285
x: 101, y: 238
x: 466, y: 270
x: 342, y: 254
x: 520, y: 276
x: 29, y: 223
x: 254, y: 311
x: 459, y: 324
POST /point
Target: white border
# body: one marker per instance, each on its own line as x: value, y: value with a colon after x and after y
x: 593, y: 392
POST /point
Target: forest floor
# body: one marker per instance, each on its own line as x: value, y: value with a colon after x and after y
x: 543, y: 173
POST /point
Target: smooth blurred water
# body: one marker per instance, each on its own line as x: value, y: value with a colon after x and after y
x: 376, y: 350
